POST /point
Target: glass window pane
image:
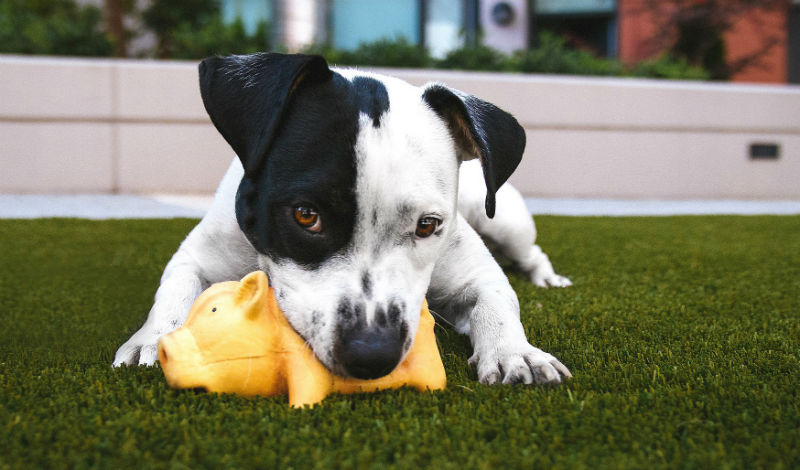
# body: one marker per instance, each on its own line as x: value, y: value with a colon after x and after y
x: 575, y: 6
x: 250, y: 11
x: 358, y: 21
x: 444, y: 26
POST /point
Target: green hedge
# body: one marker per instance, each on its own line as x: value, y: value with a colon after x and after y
x: 551, y: 56
x: 193, y: 29
x: 217, y: 38
x: 52, y: 27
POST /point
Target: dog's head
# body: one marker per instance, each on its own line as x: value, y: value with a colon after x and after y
x: 349, y: 192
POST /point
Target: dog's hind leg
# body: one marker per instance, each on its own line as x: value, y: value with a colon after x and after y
x: 512, y: 229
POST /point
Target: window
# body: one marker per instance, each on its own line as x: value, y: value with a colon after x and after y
x: 585, y: 24
x: 357, y: 21
x: 251, y: 12
x: 444, y: 25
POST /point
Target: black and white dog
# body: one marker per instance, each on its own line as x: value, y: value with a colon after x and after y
x: 346, y: 192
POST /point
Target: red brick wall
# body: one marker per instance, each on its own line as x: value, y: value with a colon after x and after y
x: 640, y: 22
x: 753, y: 33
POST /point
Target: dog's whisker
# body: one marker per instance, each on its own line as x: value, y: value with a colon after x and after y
x: 443, y: 319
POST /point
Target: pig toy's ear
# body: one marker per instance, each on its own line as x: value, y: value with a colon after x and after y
x: 251, y: 293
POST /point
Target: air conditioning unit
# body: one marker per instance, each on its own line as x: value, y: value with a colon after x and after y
x: 504, y: 24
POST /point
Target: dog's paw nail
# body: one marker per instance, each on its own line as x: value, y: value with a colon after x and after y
x: 548, y: 374
x: 561, y: 368
x: 490, y: 378
x: 554, y: 280
x: 518, y: 377
x: 560, y: 281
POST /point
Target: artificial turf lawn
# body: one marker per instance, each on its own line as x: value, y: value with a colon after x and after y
x: 683, y: 334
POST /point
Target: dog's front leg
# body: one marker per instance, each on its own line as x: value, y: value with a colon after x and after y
x: 469, y: 289
x: 180, y: 285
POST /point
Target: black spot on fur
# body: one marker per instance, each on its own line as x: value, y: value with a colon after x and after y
x: 351, y: 315
x: 404, y: 210
x: 403, y: 331
x: 373, y: 99
x: 395, y: 311
x: 366, y: 284
x: 311, y: 161
x: 380, y: 316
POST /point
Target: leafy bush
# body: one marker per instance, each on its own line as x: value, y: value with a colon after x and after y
x: 551, y: 56
x: 215, y: 37
x: 478, y: 57
x: 554, y: 56
x: 54, y: 27
x: 193, y: 29
x: 385, y: 52
x: 667, y: 67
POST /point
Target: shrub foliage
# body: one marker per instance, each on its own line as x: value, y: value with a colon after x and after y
x: 193, y: 29
x: 53, y: 27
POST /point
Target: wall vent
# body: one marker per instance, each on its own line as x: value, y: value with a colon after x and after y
x: 765, y: 151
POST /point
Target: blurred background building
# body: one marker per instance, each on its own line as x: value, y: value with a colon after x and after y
x: 760, y: 39
x: 739, y: 40
x: 744, y: 40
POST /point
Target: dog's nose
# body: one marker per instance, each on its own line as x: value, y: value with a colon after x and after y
x: 369, y: 353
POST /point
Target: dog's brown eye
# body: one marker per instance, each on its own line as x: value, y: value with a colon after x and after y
x: 426, y: 226
x: 308, y: 218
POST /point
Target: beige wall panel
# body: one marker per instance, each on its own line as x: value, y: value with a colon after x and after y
x: 612, y: 102
x: 171, y: 158
x: 55, y: 157
x: 159, y: 91
x: 72, y: 125
x: 54, y: 88
x: 656, y: 165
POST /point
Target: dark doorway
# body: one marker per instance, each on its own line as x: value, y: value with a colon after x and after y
x: 594, y: 32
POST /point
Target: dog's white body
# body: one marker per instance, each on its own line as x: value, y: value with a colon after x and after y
x: 407, y: 168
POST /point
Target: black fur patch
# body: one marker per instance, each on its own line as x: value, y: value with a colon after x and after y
x: 366, y: 284
x: 311, y: 162
x: 373, y: 99
x: 293, y: 123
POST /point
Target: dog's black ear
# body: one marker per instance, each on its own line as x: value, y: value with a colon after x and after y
x: 481, y: 130
x: 246, y: 97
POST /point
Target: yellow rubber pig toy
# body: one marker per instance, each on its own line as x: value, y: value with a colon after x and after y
x: 236, y: 340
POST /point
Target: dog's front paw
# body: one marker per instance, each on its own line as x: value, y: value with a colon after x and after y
x: 511, y: 364
x: 141, y: 349
x: 550, y: 279
x: 544, y: 275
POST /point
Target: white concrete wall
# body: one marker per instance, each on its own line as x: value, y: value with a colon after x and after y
x: 78, y: 125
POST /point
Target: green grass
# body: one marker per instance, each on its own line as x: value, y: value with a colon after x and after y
x: 683, y: 334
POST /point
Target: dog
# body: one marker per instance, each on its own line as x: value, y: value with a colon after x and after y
x: 347, y: 193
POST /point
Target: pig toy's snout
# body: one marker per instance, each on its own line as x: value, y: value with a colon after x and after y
x: 181, y: 360
x: 163, y: 356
